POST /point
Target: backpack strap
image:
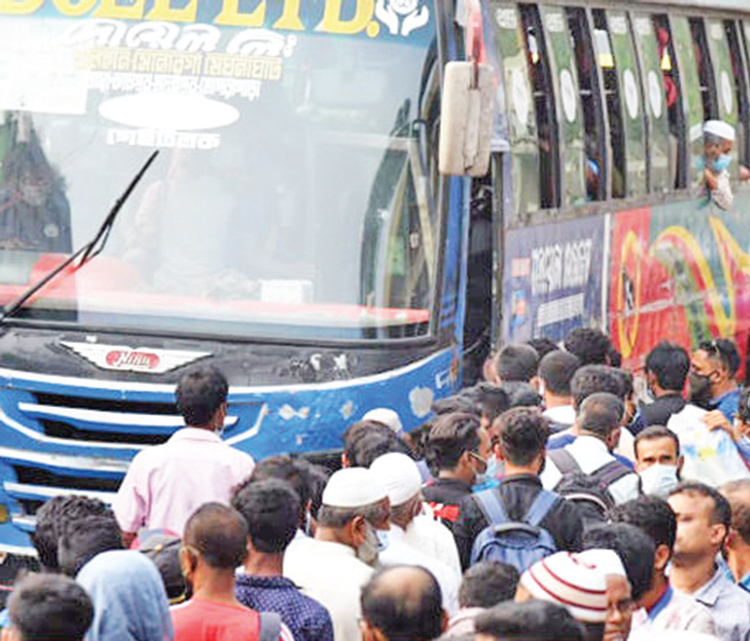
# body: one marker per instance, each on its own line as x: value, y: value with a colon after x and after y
x: 491, y: 506
x: 270, y: 626
x: 543, y: 503
x: 564, y: 461
x: 611, y: 473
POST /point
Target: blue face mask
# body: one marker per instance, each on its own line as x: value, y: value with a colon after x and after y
x: 722, y: 163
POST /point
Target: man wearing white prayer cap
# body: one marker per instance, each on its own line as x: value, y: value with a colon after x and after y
x: 333, y: 567
x: 400, y: 476
x: 386, y: 416
x: 718, y: 139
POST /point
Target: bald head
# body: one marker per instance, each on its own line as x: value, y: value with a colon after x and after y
x: 403, y: 602
x: 219, y: 533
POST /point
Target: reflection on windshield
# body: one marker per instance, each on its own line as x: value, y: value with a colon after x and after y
x: 290, y: 191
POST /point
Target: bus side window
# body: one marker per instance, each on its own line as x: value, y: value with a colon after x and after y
x: 743, y: 48
x: 662, y: 163
x: 593, y: 120
x: 730, y: 79
x: 690, y: 85
x: 606, y: 60
x: 519, y: 110
x: 739, y: 72
x: 705, y: 71
x: 572, y: 135
x: 544, y: 104
x: 629, y: 81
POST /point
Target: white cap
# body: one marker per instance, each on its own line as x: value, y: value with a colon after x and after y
x: 719, y: 128
x: 608, y: 560
x: 400, y: 476
x: 386, y: 416
x: 353, y: 487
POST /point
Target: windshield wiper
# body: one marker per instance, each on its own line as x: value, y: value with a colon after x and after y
x: 89, y: 251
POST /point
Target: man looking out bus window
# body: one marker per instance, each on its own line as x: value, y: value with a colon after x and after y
x: 718, y: 139
x: 165, y: 484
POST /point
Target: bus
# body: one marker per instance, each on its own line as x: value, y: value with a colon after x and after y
x: 299, y: 230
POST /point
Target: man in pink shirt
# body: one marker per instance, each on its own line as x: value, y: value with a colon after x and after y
x: 166, y: 483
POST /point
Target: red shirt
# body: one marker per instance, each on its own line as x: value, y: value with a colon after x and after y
x: 202, y: 620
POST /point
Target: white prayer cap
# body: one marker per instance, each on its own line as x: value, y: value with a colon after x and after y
x: 353, y: 487
x: 386, y: 416
x: 608, y: 560
x: 719, y: 128
x: 400, y: 476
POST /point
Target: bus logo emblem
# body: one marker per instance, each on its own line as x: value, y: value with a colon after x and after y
x: 126, y: 359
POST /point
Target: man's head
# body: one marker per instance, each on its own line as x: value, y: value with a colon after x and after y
x: 543, y: 345
x: 458, y: 444
x: 365, y: 441
x: 591, y: 346
x: 619, y: 592
x: 520, y: 437
x: 202, y: 398
x: 529, y: 621
x: 84, y: 538
x: 487, y: 583
x: 590, y: 379
x: 718, y: 140
x: 46, y: 607
x: 402, y: 603
x: 566, y: 580
x: 355, y: 505
x: 403, y: 482
x: 667, y: 367
x: 712, y: 370
x: 703, y: 521
x: 214, y: 543
x: 658, y: 460
x: 738, y: 495
x: 556, y: 371
x: 600, y: 416
x: 493, y: 400
x: 516, y: 362
x: 657, y: 520
x: 52, y: 519
x: 271, y: 511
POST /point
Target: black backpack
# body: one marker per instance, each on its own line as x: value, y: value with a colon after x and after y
x: 593, y: 502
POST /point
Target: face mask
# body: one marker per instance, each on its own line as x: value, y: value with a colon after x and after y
x: 494, y: 470
x: 368, y: 551
x: 722, y: 163
x: 700, y: 390
x: 383, y: 539
x: 659, y: 480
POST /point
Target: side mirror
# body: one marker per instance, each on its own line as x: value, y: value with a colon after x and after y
x: 466, y: 119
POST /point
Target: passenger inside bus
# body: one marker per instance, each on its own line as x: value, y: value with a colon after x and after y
x: 718, y: 140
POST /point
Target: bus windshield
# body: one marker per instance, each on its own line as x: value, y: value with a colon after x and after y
x: 292, y: 194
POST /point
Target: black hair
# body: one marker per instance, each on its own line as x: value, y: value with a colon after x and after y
x: 556, y: 369
x: 219, y: 533
x: 653, y: 432
x: 271, y: 510
x: 493, y: 400
x: 516, y: 362
x: 522, y: 394
x: 543, y: 345
x: 591, y: 346
x: 371, y: 445
x: 652, y: 515
x: 635, y: 549
x: 600, y: 414
x: 743, y: 409
x: 523, y: 434
x: 463, y: 403
x: 404, y: 603
x: 452, y: 435
x: 200, y: 394
x: 530, y: 621
x: 488, y: 583
x: 670, y: 364
x: 725, y: 351
x: 84, y: 538
x: 49, y: 607
x: 590, y: 379
x: 721, y: 512
x: 738, y: 494
x: 52, y: 519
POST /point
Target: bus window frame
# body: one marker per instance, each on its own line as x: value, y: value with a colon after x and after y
x: 736, y: 26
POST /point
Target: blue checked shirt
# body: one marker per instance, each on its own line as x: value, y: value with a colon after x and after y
x: 729, y: 605
x: 307, y: 619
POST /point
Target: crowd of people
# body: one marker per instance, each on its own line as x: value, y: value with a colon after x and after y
x: 545, y: 502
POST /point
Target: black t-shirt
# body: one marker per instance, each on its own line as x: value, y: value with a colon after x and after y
x: 661, y: 410
x: 444, y: 497
x: 517, y: 493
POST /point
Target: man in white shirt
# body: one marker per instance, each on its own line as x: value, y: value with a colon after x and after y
x: 332, y: 567
x: 556, y: 371
x: 400, y: 475
x: 598, y: 426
